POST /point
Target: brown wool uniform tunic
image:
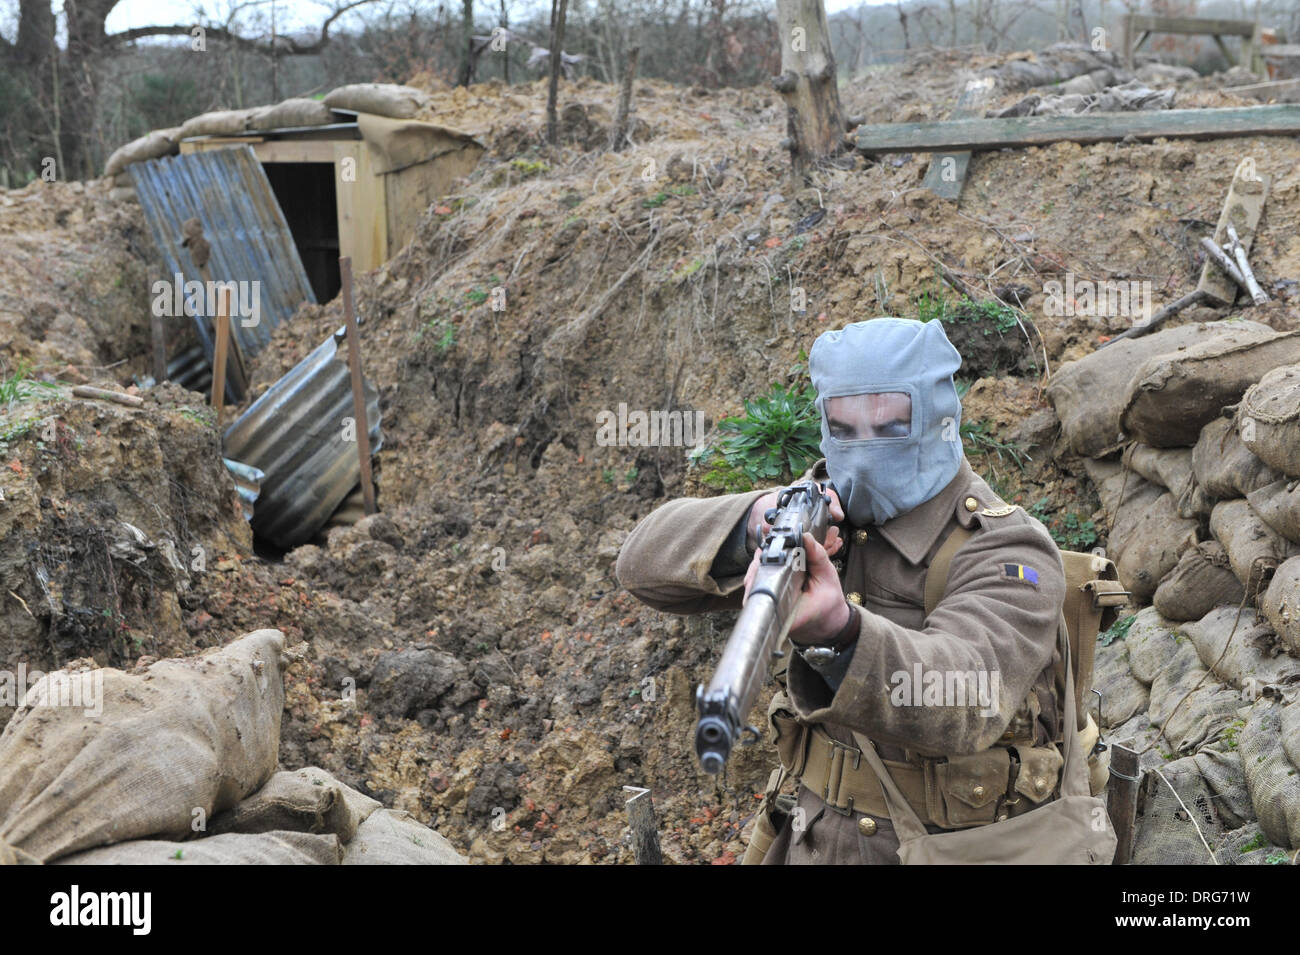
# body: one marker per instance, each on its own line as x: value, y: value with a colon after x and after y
x: 986, y: 621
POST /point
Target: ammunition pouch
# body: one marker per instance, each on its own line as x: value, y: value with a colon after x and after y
x: 953, y: 792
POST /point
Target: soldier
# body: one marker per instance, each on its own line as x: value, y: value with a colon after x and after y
x: 960, y: 701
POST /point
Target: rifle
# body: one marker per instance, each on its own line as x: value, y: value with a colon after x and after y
x: 763, y: 623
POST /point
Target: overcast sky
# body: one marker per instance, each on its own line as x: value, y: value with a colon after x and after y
x: 294, y: 14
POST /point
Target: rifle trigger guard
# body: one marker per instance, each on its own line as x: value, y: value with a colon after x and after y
x: 751, y: 739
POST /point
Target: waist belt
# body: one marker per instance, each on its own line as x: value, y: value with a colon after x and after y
x: 836, y: 772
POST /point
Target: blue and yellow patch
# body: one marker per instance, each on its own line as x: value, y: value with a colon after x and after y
x: 1020, y: 572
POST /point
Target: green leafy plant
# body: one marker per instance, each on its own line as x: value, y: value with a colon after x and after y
x: 607, y: 475
x: 20, y: 386
x: 1070, y: 530
x: 630, y: 476
x: 1277, y: 858
x: 1259, y: 842
x: 1116, y: 631
x: 655, y: 201
x: 477, y: 295
x: 777, y: 436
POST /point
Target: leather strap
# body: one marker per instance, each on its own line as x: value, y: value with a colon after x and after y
x: 936, y: 578
x: 1074, y: 779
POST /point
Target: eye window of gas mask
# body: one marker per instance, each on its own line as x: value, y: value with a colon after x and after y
x: 883, y: 414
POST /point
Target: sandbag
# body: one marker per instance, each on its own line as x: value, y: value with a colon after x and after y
x: 1124, y: 516
x: 1191, y: 706
x: 1201, y: 581
x: 1209, y: 784
x: 392, y: 837
x: 1241, y: 649
x: 1269, y: 419
x: 1171, y: 468
x: 1280, y: 604
x: 1151, y: 644
x: 1246, y: 846
x: 1272, y: 780
x: 1089, y: 394
x: 1223, y: 467
x: 1254, y: 549
x: 1172, y: 396
x: 381, y: 99
x: 1122, y: 695
x: 299, y: 111
x: 199, y: 733
x: 302, y: 800
x: 233, y: 848
x: 160, y: 142
x: 1278, y: 506
x: 1151, y: 548
x: 229, y: 122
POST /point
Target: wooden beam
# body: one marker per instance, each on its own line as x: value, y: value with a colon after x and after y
x: 295, y: 150
x: 1020, y: 131
x: 1192, y: 26
x: 221, y: 345
x: 1121, y: 799
x: 947, y: 172
x: 1242, y: 209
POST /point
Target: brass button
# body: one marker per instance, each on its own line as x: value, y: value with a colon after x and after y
x: 978, y: 792
x: 867, y: 826
x: 860, y: 537
x: 972, y: 504
x: 838, y: 565
x: 855, y: 598
x: 1040, y: 784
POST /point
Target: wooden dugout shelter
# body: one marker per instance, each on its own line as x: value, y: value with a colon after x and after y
x: 356, y: 187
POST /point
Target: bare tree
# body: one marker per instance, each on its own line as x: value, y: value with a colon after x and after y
x: 559, y: 9
x: 814, y: 117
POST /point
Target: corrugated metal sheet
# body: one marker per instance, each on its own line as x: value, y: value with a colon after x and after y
x: 248, y: 482
x: 295, y: 435
x: 227, y: 190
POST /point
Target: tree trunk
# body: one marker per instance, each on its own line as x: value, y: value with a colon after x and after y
x: 559, y: 8
x: 466, y: 73
x: 623, y: 116
x: 814, y: 117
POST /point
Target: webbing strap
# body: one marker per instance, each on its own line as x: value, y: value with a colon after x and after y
x: 936, y: 578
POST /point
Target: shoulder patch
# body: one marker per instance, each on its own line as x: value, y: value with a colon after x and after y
x: 1019, y: 572
x: 1002, y: 511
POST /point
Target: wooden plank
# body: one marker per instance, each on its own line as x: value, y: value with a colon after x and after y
x: 1121, y: 799
x: 1242, y: 209
x: 1020, y: 131
x: 947, y: 172
x: 219, y: 363
x: 295, y: 150
x: 218, y: 142
x: 370, y: 213
x: 1192, y: 26
x: 347, y: 163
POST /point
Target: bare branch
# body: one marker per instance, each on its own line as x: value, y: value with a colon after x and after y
x: 283, y: 44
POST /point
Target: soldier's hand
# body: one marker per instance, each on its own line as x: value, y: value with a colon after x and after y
x: 822, y: 611
x: 758, y: 525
